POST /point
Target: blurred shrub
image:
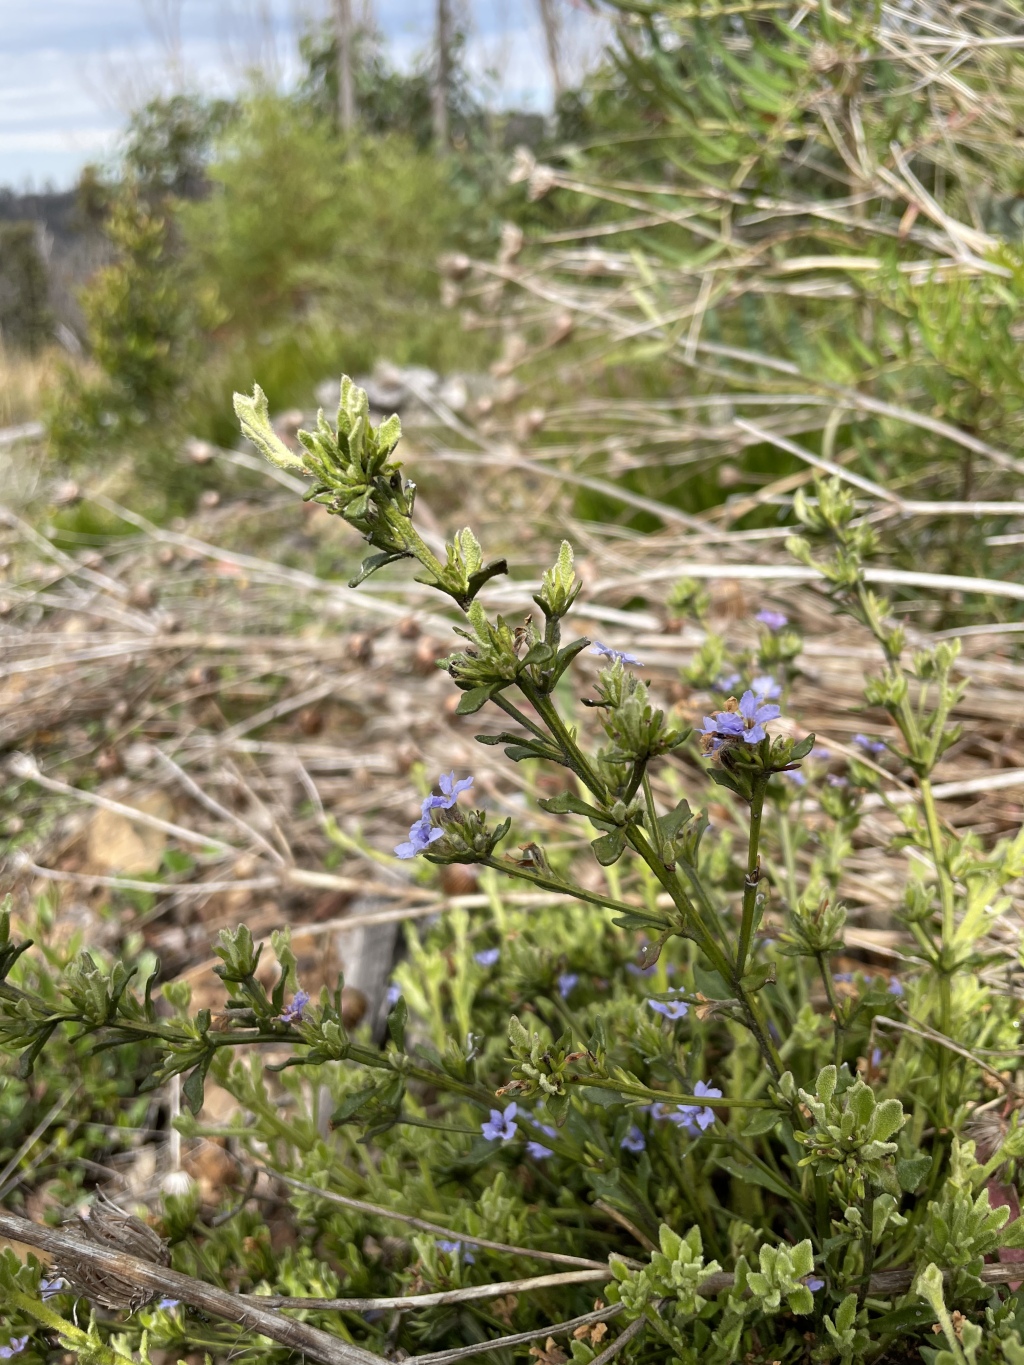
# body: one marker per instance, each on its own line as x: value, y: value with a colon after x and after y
x: 25, y: 319
x: 144, y: 317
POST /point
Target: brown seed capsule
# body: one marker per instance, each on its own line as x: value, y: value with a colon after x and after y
x: 109, y: 1227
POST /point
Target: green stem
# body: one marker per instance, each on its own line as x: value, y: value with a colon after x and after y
x: 644, y: 1092
x: 753, y: 876
x: 839, y: 1026
x: 510, y: 709
x: 574, y: 755
x: 566, y: 889
x: 88, y: 1347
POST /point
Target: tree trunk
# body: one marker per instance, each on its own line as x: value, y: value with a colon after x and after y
x: 442, y: 73
x: 346, y: 89
x: 549, y: 18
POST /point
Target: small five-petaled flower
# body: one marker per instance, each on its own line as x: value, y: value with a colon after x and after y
x: 501, y: 1127
x: 634, y: 1141
x: 616, y: 655
x: 291, y: 1014
x: 671, y: 1009
x: 17, y: 1345
x: 694, y: 1118
x: 746, y: 721
x: 774, y: 620
x: 487, y: 957
x: 423, y: 833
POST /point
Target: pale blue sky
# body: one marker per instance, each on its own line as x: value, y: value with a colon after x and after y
x: 70, y: 69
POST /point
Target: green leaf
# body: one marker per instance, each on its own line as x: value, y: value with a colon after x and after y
x: 194, y: 1088
x: 372, y: 563
x: 803, y: 747
x: 761, y: 1121
x: 710, y: 983
x: 609, y: 848
x: 754, y: 1175
x: 911, y: 1170
x: 396, y: 1023
x: 476, y: 697
x: 567, y: 803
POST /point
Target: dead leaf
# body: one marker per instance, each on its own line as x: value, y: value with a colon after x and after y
x: 550, y: 1353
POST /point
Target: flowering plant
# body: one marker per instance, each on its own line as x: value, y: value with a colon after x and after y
x: 555, y: 1097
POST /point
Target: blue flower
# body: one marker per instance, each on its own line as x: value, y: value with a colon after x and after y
x: 538, y: 1151
x: 895, y: 986
x: 500, y: 1126
x: 617, y: 656
x: 567, y: 983
x: 671, y: 1009
x: 746, y: 723
x: 545, y: 1128
x: 487, y: 957
x: 17, y: 1345
x: 456, y: 1249
x: 450, y: 790
x: 167, y: 1304
x: 765, y: 688
x: 795, y: 775
x: 727, y: 683
x: 393, y: 996
x: 423, y: 833
x: 834, y: 780
x: 634, y: 1141
x: 813, y: 1283
x: 421, y: 836
x: 842, y: 976
x: 291, y: 1014
x: 49, y: 1288
x: 694, y: 1117
x: 869, y: 746
x: 876, y: 1056
x: 774, y: 620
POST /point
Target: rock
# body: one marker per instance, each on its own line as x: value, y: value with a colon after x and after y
x: 116, y: 844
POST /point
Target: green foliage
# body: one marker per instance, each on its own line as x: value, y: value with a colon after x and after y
x: 26, y: 321
x: 539, y: 1088
x: 145, y: 318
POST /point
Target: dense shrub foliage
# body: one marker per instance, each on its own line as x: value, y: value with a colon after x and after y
x: 751, y: 1155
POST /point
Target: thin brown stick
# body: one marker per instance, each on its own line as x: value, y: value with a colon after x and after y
x: 554, y: 1329
x: 468, y: 1294
x: 559, y: 1258
x: 246, y: 1312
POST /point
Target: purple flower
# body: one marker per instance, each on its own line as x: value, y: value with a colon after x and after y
x: 813, y: 1283
x: 450, y: 790
x: 795, y: 775
x: 423, y: 833
x: 694, y: 1117
x: 774, y: 620
x: 876, y: 1056
x: 291, y: 1014
x: 617, y: 656
x: 567, y: 983
x: 747, y: 723
x: 842, y: 976
x: 48, y: 1288
x: 538, y: 1151
x: 727, y: 683
x: 487, y: 957
x: 834, y: 780
x: 455, y: 1249
x: 671, y: 1009
x: 421, y: 836
x: 869, y: 746
x: 819, y: 751
x: 393, y: 996
x: 500, y: 1127
x: 17, y: 1345
x: 545, y: 1128
x: 634, y: 1141
x: 765, y: 688
x: 167, y: 1304
x: 895, y: 986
